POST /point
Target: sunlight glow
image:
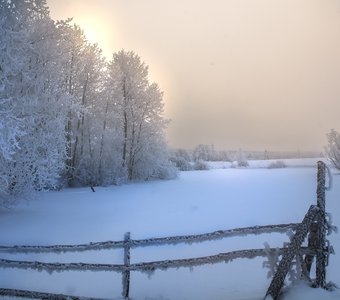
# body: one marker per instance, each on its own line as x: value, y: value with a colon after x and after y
x: 92, y: 30
x: 96, y: 32
x: 91, y: 33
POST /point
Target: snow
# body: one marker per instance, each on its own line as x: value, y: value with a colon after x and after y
x: 197, y: 202
x: 265, y: 163
x: 302, y: 291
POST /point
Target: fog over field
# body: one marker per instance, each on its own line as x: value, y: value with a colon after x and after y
x: 169, y: 149
x: 244, y: 74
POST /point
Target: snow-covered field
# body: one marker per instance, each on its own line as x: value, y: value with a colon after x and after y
x: 196, y: 202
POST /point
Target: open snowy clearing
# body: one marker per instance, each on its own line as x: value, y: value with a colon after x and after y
x: 196, y: 202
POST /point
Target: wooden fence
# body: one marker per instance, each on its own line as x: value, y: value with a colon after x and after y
x: 314, y: 223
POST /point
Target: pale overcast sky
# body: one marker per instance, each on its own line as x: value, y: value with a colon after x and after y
x: 251, y: 74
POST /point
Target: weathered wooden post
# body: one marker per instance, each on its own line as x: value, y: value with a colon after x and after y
x: 321, y: 255
x: 312, y: 245
x: 126, y: 273
x: 291, y: 251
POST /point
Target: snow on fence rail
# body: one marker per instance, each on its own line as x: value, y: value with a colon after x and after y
x: 147, y: 266
x: 316, y: 247
x: 39, y: 295
x: 129, y: 243
x: 173, y: 240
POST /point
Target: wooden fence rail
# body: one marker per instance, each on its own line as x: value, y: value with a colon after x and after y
x: 173, y: 240
x: 129, y: 243
x: 146, y: 266
x: 39, y: 295
x: 318, y: 247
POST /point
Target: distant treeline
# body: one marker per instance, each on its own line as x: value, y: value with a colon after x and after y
x: 283, y: 154
x: 184, y: 158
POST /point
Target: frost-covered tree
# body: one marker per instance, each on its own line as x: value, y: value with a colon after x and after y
x: 33, y: 137
x: 139, y: 108
x: 203, y: 152
x: 67, y: 115
x: 109, y: 169
x: 333, y: 148
x: 83, y: 73
x: 241, y: 159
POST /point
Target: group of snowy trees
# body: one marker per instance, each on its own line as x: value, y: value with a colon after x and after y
x: 195, y: 159
x: 333, y: 148
x: 66, y: 115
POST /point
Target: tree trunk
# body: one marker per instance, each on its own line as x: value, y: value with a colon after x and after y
x: 125, y: 126
x: 83, y: 116
x: 102, y: 141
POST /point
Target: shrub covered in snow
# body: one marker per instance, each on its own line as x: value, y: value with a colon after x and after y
x: 166, y: 171
x: 239, y: 164
x: 240, y: 160
x: 242, y: 163
x: 181, y: 163
x: 277, y: 164
x: 201, y: 165
x: 181, y: 159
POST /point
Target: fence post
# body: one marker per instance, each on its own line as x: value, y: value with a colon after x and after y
x: 290, y: 251
x: 126, y: 273
x: 312, y: 245
x: 321, y: 255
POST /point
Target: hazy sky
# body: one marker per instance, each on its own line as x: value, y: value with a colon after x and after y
x: 251, y: 74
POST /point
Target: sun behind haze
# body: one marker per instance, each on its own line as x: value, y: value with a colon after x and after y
x: 251, y: 74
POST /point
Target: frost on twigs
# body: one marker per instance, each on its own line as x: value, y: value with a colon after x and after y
x: 272, y: 261
x: 295, y: 271
x: 291, y: 251
x: 330, y: 227
x: 331, y: 286
x: 150, y: 272
x: 290, y: 233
